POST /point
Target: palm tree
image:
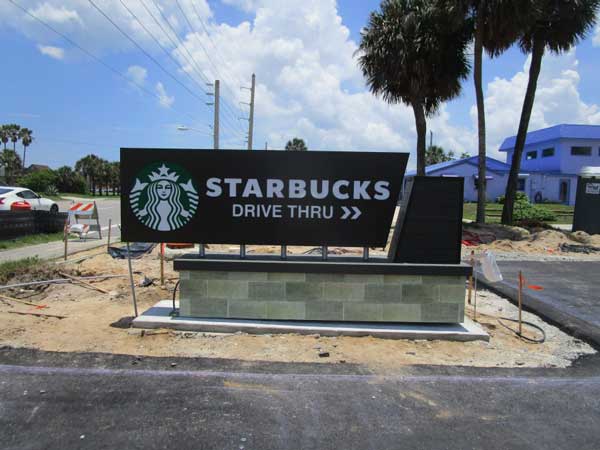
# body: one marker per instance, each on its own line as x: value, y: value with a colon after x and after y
x: 412, y: 52
x: 26, y: 139
x: 89, y: 168
x: 4, y: 135
x: 557, y: 25
x: 496, y: 27
x: 115, y: 176
x: 13, y: 133
x: 296, y: 145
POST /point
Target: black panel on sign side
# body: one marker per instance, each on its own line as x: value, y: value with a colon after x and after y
x: 429, y: 227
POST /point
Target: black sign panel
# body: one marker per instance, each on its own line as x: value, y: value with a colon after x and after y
x: 259, y: 197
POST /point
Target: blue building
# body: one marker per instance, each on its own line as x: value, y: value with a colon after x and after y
x: 553, y: 157
x: 552, y: 160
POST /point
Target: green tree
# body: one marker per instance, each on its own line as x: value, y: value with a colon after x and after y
x: 67, y: 180
x: 41, y: 181
x: 435, y: 154
x: 115, y: 177
x: 413, y: 52
x: 296, y: 145
x: 4, y: 135
x: 12, y: 165
x: 556, y: 25
x: 89, y: 168
x: 464, y: 155
x: 12, y: 132
x: 25, y: 134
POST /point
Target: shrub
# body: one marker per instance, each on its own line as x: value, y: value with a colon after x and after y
x: 527, y: 212
x: 40, y: 181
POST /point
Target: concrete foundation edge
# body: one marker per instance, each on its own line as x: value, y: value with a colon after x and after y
x: 158, y: 317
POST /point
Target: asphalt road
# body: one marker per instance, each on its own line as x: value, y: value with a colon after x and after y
x: 91, y: 403
x: 570, y: 295
x: 107, y: 208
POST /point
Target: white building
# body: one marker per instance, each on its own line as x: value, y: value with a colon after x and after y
x: 552, y: 159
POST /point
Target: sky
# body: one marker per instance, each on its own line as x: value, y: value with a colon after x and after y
x: 132, y: 82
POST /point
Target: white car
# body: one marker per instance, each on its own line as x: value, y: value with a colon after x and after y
x: 23, y: 199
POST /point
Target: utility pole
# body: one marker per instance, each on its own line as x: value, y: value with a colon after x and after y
x: 250, y: 118
x: 251, y: 121
x: 216, y: 119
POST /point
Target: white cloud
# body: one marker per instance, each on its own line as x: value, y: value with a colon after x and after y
x: 52, y: 52
x: 55, y: 14
x: 596, y: 37
x: 557, y: 100
x: 164, y: 100
x: 308, y: 81
x: 137, y: 74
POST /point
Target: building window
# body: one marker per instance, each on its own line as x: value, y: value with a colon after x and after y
x: 531, y: 155
x: 581, y: 151
x: 521, y: 185
x: 547, y: 152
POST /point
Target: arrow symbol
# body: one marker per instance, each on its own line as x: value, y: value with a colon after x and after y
x: 354, y: 212
x: 347, y: 212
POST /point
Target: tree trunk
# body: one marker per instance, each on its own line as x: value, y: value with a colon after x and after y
x: 481, y: 172
x: 421, y: 124
x: 511, y: 188
x: 24, y: 155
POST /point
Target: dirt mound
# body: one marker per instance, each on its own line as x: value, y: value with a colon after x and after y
x: 515, y: 239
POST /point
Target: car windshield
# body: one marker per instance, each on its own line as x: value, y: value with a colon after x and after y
x: 4, y: 191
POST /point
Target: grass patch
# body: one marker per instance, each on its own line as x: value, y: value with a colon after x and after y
x: 493, y: 212
x: 33, y: 239
x: 11, y: 269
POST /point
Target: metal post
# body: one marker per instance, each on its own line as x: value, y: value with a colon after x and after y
x: 202, y: 251
x: 66, y: 238
x: 109, y: 228
x: 324, y: 252
x: 135, y: 310
x: 251, y: 117
x: 284, y: 252
x: 365, y: 253
x: 216, y: 118
x: 242, y: 251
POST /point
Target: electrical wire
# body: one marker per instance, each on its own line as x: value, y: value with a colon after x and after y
x: 134, y: 42
x: 94, y: 57
x: 190, y: 58
x: 216, y: 70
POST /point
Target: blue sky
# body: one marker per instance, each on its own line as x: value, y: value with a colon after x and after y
x: 308, y: 84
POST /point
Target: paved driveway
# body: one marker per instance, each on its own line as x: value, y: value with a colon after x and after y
x: 571, y: 295
x: 114, y: 404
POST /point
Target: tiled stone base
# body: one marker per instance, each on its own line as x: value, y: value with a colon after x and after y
x: 322, y: 296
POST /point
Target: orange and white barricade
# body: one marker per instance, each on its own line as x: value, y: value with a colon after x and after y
x: 86, y: 215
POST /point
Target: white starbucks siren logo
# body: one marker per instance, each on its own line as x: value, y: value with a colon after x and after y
x: 163, y: 197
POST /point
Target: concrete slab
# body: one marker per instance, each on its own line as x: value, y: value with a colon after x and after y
x: 158, y: 317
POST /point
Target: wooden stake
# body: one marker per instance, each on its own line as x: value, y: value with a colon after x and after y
x: 162, y: 264
x: 84, y: 283
x: 66, y: 238
x: 109, y: 228
x: 23, y: 313
x: 16, y: 300
x: 520, y: 298
x: 472, y: 262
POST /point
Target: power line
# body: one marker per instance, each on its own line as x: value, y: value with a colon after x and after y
x: 216, y: 70
x: 233, y: 77
x: 159, y: 44
x: 134, y: 42
x: 94, y: 57
x: 190, y: 59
